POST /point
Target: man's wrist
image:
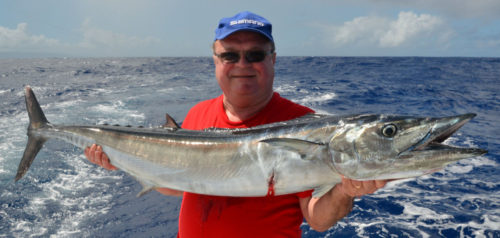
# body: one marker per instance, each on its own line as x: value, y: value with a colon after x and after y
x: 341, y: 193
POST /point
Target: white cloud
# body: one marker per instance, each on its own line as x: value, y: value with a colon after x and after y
x: 96, y: 38
x: 480, y: 9
x: 361, y: 29
x: 409, y: 28
x: 20, y: 40
x: 94, y: 42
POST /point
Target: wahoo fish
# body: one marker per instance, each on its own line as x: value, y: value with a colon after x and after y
x: 312, y: 152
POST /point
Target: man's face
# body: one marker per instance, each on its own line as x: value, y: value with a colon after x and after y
x: 244, y: 83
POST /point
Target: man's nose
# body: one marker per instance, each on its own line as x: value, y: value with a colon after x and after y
x: 243, y: 61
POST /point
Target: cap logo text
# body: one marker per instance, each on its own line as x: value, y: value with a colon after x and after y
x: 246, y: 21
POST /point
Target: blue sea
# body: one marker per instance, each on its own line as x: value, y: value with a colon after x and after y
x: 63, y: 195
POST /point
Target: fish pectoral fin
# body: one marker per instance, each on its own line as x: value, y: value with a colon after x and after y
x: 302, y: 147
x: 322, y: 190
x: 146, y: 188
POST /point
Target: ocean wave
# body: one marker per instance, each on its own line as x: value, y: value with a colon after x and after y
x: 63, y: 195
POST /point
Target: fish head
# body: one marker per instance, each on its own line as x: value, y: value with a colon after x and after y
x: 372, y: 147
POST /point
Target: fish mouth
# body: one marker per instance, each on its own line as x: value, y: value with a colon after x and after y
x: 441, y: 130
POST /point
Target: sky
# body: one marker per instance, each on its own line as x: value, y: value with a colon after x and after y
x: 158, y: 28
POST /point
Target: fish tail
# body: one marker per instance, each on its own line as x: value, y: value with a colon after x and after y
x: 35, y: 142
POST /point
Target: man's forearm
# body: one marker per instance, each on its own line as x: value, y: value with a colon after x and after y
x: 327, y: 210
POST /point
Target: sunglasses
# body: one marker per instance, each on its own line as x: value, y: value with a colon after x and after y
x: 253, y: 56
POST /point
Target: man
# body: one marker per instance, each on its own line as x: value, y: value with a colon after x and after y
x: 244, y: 58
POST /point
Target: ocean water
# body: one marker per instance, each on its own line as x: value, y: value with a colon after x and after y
x: 63, y: 195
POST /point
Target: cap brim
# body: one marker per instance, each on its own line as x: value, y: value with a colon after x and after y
x: 223, y: 36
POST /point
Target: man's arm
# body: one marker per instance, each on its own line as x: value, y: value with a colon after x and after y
x: 95, y: 155
x: 322, y: 213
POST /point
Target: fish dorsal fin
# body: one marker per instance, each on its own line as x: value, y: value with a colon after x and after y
x: 170, y: 122
x: 302, y: 147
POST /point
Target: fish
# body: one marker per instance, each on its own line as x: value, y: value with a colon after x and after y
x: 312, y: 152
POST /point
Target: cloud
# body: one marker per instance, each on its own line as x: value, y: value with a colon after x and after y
x: 367, y: 29
x: 491, y: 42
x: 480, y: 9
x: 19, y: 39
x: 93, y: 42
x: 95, y: 38
x: 409, y: 28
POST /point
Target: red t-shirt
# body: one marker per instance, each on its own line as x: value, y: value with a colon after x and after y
x: 217, y: 216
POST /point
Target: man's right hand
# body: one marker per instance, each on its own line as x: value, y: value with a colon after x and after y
x: 95, y: 155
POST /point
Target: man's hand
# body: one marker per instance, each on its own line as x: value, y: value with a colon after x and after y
x: 355, y: 188
x: 95, y: 155
x: 321, y: 213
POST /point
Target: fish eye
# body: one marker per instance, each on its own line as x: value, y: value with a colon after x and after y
x: 389, y: 130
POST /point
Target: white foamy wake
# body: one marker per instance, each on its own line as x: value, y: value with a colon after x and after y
x: 67, y: 200
x: 57, y: 199
x: 115, y: 111
x: 12, y: 141
x: 303, y: 96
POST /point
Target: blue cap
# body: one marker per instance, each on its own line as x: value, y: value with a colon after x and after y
x: 243, y: 21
